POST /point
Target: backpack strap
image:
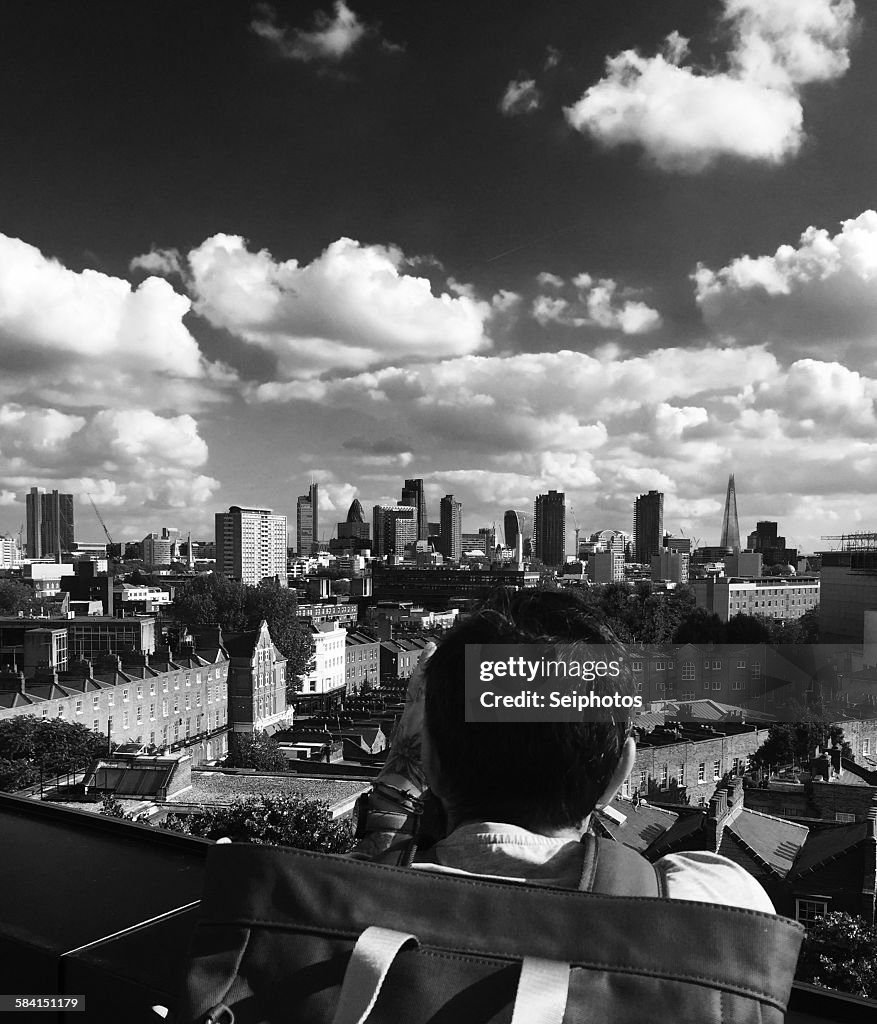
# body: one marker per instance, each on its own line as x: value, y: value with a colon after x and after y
x: 613, y: 869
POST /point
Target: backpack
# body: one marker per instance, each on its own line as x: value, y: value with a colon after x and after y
x: 292, y: 937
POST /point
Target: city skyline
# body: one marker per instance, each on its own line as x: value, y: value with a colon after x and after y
x: 301, y: 255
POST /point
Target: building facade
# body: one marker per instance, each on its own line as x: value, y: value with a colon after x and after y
x: 779, y: 597
x: 307, y: 516
x: 549, y: 528
x: 251, y: 545
x: 327, y: 670
x: 648, y: 526
x: 451, y: 528
x: 413, y: 494
x: 49, y: 523
x: 256, y: 682
x: 606, y: 567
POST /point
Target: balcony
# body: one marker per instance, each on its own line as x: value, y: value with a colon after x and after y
x: 104, y: 908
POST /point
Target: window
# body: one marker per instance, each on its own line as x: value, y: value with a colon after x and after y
x: 717, y: 770
x: 126, y: 694
x: 659, y: 666
x: 680, y: 774
x: 176, y: 705
x: 717, y: 664
x: 111, y: 699
x: 125, y: 719
x: 755, y: 670
x: 198, y: 699
x: 637, y: 666
x: 96, y: 725
x: 152, y: 688
x: 45, y: 712
x: 866, y: 747
x: 706, y: 663
x: 741, y: 663
x: 706, y: 684
x: 738, y: 684
x: 95, y: 701
x: 188, y: 702
x: 701, y: 772
x: 686, y: 695
x: 717, y: 685
x: 844, y: 816
x: 60, y: 710
x: 664, y: 774
x: 151, y: 712
x: 806, y: 911
x: 79, y: 707
x: 164, y: 709
x: 139, y: 691
x: 687, y: 671
x: 140, y: 714
x: 164, y: 686
x: 643, y: 781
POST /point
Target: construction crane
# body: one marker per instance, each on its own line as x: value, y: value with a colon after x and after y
x: 100, y: 519
x: 576, y: 524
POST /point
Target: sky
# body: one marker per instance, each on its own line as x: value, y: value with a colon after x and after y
x: 600, y: 247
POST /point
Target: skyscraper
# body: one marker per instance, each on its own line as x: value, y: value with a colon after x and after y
x: 395, y: 528
x: 451, y: 528
x: 730, y: 525
x: 251, y: 545
x: 353, y: 533
x: 307, y: 520
x: 648, y: 526
x: 549, y: 527
x: 413, y: 494
x: 516, y: 523
x: 49, y: 523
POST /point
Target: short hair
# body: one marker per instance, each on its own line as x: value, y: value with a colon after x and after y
x: 550, y: 772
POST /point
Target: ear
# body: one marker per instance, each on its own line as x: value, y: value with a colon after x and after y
x: 621, y: 773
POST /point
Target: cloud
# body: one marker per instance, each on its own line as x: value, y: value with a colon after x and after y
x: 159, y: 261
x: 351, y: 308
x: 802, y: 297
x: 90, y: 338
x: 520, y: 97
x: 685, y: 118
x: 128, y: 458
x: 332, y: 38
x: 596, y: 304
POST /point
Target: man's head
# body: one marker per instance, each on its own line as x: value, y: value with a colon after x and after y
x: 543, y: 775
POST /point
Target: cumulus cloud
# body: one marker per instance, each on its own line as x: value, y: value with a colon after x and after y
x: 605, y: 426
x: 66, y: 333
x: 125, y: 458
x: 802, y: 297
x: 158, y: 261
x: 351, y: 308
x: 685, y: 118
x: 521, y: 96
x: 331, y: 39
x: 597, y: 303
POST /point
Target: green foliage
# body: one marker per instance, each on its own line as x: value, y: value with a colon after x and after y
x: 212, y: 598
x: 270, y: 820
x: 700, y: 627
x: 110, y: 807
x: 236, y: 607
x: 797, y: 739
x: 15, y: 597
x: 840, y: 952
x: 640, y: 614
x: 258, y: 751
x: 26, y: 741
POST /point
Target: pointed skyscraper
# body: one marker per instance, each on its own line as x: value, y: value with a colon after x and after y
x: 730, y: 525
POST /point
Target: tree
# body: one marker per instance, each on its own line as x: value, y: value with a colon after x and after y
x: 808, y: 728
x: 748, y: 629
x: 278, y: 606
x: 270, y: 820
x: 15, y: 597
x: 700, y: 627
x: 840, y: 952
x: 212, y: 598
x: 258, y: 751
x: 28, y: 742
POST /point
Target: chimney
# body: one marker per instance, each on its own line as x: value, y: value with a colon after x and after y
x: 12, y: 681
x: 716, y: 819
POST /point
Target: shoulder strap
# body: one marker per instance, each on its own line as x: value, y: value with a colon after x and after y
x: 613, y: 869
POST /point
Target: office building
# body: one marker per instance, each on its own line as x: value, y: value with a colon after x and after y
x: 606, y: 566
x: 353, y: 535
x: 670, y: 566
x: 49, y: 523
x: 780, y: 597
x: 413, y: 494
x: 394, y: 529
x: 161, y: 549
x: 648, y: 526
x: 307, y: 520
x: 765, y: 539
x: 251, y: 545
x: 451, y: 528
x: 518, y: 524
x: 730, y: 524
x: 849, y: 589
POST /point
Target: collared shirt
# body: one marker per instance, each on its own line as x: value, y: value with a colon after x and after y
x: 512, y: 853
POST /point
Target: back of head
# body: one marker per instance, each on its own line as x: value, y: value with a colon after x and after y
x: 537, y: 774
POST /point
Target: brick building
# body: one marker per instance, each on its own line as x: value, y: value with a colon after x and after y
x: 256, y: 681
x: 362, y: 669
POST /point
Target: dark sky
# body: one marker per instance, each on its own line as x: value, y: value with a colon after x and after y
x: 128, y: 127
